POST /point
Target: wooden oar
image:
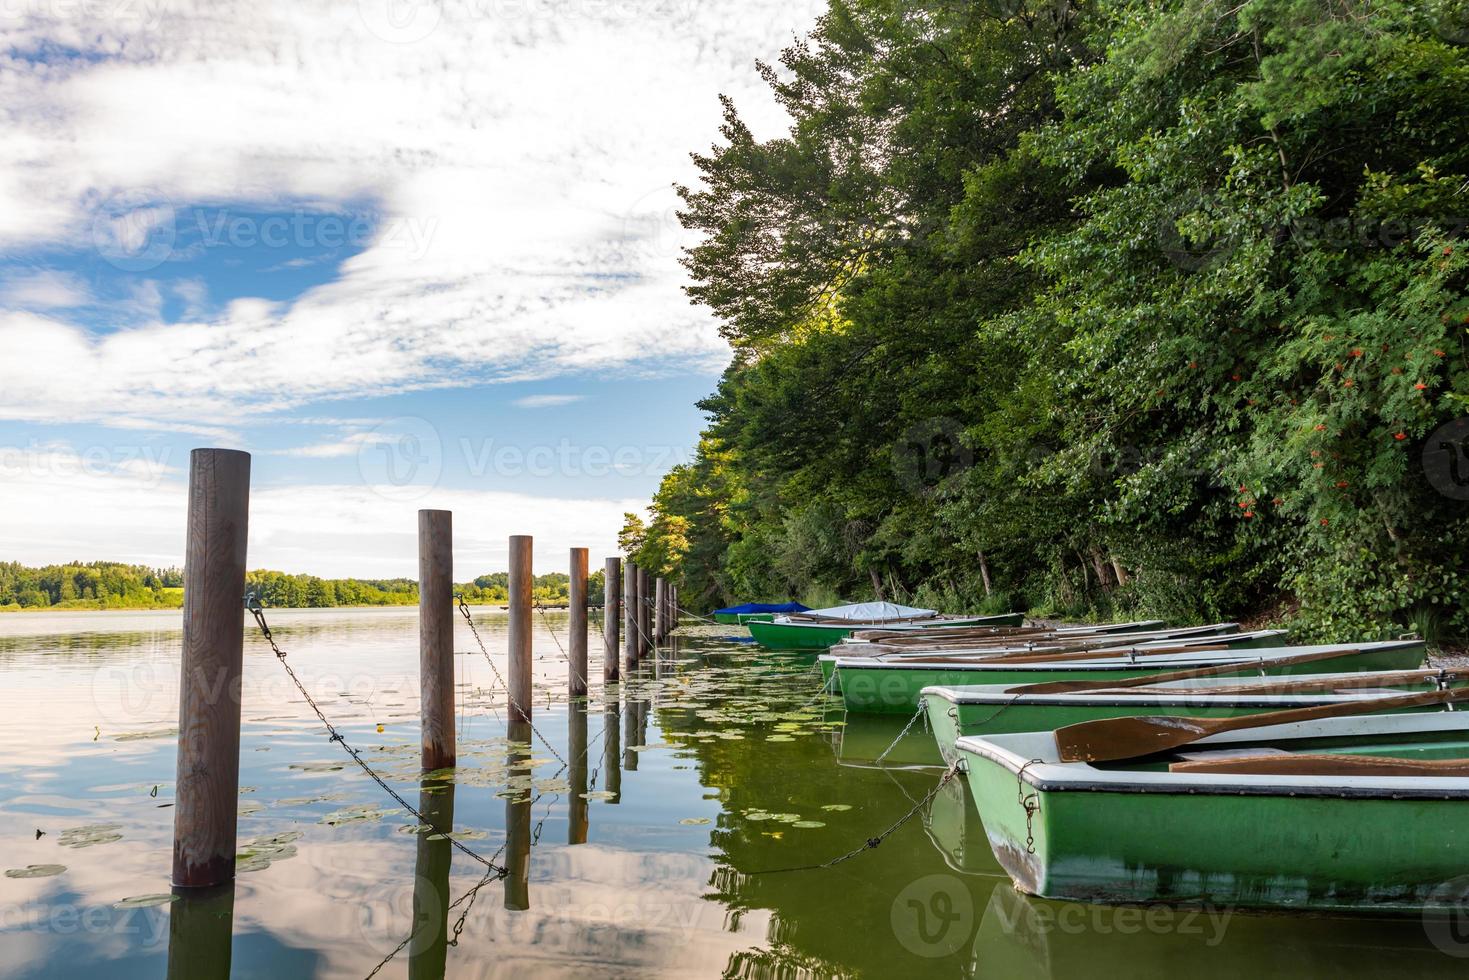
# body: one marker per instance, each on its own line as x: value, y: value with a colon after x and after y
x: 1325, y: 765
x: 1111, y: 739
x: 1222, y: 670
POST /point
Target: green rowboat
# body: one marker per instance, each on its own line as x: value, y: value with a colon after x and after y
x: 854, y: 651
x: 785, y: 633
x: 740, y: 619
x: 893, y: 687
x: 1145, y: 832
x: 996, y: 709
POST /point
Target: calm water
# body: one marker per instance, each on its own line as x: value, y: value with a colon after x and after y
x: 641, y: 855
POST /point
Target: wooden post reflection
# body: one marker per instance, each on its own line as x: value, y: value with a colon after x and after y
x: 429, y: 947
x: 576, y: 724
x: 630, y: 739
x: 517, y: 825
x: 612, y: 747
x: 200, y: 926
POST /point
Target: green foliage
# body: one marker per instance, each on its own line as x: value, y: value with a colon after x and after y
x: 89, y: 585
x: 112, y: 585
x: 1105, y: 309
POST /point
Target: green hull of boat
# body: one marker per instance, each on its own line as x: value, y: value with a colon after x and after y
x: 740, y: 619
x: 819, y: 636
x: 949, y: 721
x: 1241, y: 641
x: 1271, y: 846
x: 895, y: 688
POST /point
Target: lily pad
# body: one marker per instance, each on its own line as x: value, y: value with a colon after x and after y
x: 260, y: 852
x: 694, y: 821
x: 36, y: 871
x: 807, y: 824
x: 139, y: 736
x: 837, y: 806
x: 92, y: 834
x: 145, y: 901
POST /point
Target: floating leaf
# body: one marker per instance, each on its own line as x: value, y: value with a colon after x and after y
x: 139, y: 736
x: 36, y: 871
x: 260, y: 852
x: 694, y: 821
x: 90, y: 835
x: 837, y: 806
x: 145, y: 901
x: 807, y: 824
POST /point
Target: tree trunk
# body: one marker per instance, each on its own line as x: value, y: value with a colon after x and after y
x: 1121, y: 572
x: 876, y: 583
x: 1100, y: 568
x: 984, y: 573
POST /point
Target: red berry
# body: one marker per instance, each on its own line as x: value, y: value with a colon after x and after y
x: 1401, y: 436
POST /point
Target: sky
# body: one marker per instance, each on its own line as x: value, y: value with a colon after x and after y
x: 406, y: 253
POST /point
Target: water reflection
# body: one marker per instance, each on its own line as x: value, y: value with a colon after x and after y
x: 1019, y: 935
x: 200, y: 933
x: 517, y: 823
x: 576, y: 743
x: 685, y: 876
x: 429, y: 946
x: 612, y: 747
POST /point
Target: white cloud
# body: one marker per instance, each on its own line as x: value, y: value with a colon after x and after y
x: 547, y: 401
x: 70, y: 500
x: 520, y: 157
x: 43, y: 290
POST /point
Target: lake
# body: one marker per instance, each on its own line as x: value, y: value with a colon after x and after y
x: 661, y: 828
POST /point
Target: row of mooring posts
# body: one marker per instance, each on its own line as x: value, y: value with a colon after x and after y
x: 201, y: 919
x: 213, y: 646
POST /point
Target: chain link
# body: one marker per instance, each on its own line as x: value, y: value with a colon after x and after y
x: 252, y: 603
x: 873, y: 842
x: 546, y: 621
x: 922, y: 712
x: 524, y: 713
x: 1030, y: 802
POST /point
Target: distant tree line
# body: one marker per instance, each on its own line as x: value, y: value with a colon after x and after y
x: 114, y: 585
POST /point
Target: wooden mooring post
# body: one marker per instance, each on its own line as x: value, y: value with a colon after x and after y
x: 576, y: 647
x: 660, y: 610
x: 207, y: 790
x: 630, y: 611
x: 519, y: 667
x: 436, y: 637
x: 611, y: 620
x: 644, y: 640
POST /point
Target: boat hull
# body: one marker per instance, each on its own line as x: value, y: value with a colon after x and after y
x: 740, y: 619
x: 894, y: 688
x: 819, y: 636
x: 1268, y: 846
x: 1003, y: 713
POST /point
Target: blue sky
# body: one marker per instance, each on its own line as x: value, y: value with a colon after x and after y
x: 405, y: 261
